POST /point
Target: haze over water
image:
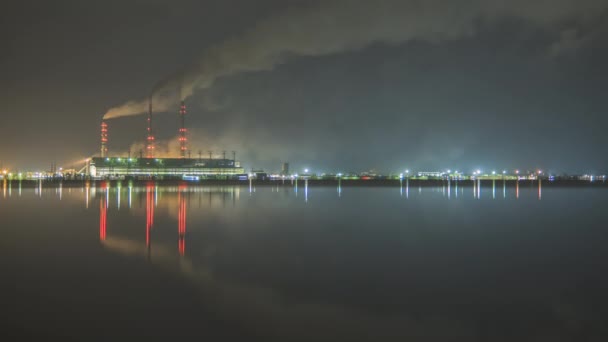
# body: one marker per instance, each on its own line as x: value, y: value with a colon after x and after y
x: 271, y: 263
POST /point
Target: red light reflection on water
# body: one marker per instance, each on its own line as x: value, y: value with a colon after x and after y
x: 181, y: 221
x: 103, y: 214
x: 149, y: 211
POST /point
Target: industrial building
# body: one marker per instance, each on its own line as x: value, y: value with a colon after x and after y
x: 163, y: 168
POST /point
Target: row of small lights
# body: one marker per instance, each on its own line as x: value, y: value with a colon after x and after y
x: 477, y: 172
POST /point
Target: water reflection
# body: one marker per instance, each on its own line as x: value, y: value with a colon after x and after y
x: 150, y: 204
x: 103, y: 219
x: 87, y: 194
x: 449, y: 188
x: 181, y: 226
x: 264, y: 262
x: 180, y: 196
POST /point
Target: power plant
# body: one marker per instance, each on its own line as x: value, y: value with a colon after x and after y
x: 150, y: 167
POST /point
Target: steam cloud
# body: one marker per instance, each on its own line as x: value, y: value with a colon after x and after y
x: 341, y: 26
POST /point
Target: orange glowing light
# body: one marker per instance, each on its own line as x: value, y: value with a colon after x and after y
x: 149, y: 211
x: 181, y: 221
x: 103, y: 214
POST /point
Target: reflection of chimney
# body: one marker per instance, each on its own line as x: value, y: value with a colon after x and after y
x: 104, y: 139
x: 149, y: 212
x: 103, y: 213
x: 181, y: 221
x: 150, y: 137
x: 182, y: 131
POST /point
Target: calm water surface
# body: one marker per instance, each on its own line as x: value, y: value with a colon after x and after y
x: 274, y: 263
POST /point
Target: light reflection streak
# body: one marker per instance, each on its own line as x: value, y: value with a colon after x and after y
x: 156, y: 196
x: 103, y: 215
x: 181, y: 219
x: 107, y: 194
x: 474, y: 189
x: 150, y: 197
x: 87, y: 194
x: 449, y: 189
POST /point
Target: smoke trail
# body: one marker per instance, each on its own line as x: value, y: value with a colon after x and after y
x: 341, y: 26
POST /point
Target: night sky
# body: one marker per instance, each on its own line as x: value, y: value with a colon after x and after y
x: 334, y: 86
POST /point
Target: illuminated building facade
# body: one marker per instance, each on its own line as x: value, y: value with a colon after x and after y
x: 163, y: 168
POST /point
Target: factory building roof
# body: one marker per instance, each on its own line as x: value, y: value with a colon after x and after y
x: 164, y: 162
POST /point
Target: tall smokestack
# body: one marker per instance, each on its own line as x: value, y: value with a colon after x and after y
x: 104, y: 139
x: 183, y: 140
x: 150, y: 138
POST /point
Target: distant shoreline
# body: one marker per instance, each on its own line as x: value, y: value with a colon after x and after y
x: 302, y: 182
